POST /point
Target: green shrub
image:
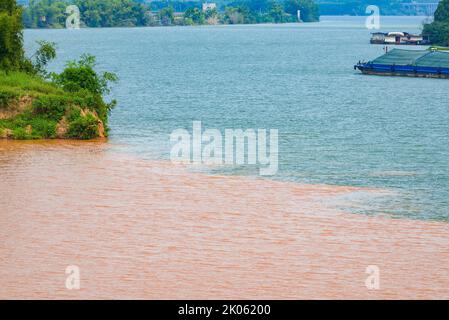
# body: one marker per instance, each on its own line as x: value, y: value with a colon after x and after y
x: 80, y: 75
x: 83, y: 127
x: 43, y: 128
x: 6, y: 98
x: 21, y: 134
x: 50, y: 107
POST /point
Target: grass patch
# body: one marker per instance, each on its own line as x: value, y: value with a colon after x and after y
x: 25, y: 84
x: 20, y: 126
x: 7, y: 97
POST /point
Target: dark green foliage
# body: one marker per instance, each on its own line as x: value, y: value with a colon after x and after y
x: 166, y: 16
x: 112, y: 13
x: 238, y: 15
x: 82, y: 127
x: 37, y: 63
x: 45, y: 13
x: 210, y: 13
x: 194, y: 16
x: 6, y: 98
x: 277, y: 13
x: 80, y: 75
x: 50, y: 107
x: 43, y: 55
x: 130, y: 13
x: 438, y: 31
x: 11, y: 37
x: 12, y: 55
x: 94, y: 13
x: 442, y: 13
x: 268, y: 11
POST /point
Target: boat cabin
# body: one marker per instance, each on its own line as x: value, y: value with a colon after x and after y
x: 398, y: 38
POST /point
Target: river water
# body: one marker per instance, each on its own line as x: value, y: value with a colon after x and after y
x: 355, y: 152
x: 335, y: 125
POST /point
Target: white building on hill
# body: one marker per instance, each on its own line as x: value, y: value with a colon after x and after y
x: 209, y: 6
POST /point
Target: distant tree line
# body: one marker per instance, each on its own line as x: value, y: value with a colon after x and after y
x: 134, y: 13
x: 358, y: 7
x: 326, y: 7
x: 438, y: 30
x: 94, y: 13
x: 263, y: 11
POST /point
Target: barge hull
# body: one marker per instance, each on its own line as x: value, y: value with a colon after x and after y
x: 409, y: 63
x: 405, y: 74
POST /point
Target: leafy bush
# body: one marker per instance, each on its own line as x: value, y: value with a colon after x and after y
x: 11, y: 37
x: 50, y: 107
x: 43, y: 128
x: 80, y: 75
x: 6, y: 98
x: 82, y: 127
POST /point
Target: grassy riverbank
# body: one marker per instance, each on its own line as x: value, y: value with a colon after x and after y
x: 33, y: 108
x: 36, y: 104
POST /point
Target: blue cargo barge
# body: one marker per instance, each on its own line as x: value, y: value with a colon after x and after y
x: 409, y: 63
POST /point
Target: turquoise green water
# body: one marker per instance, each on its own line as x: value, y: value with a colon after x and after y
x: 335, y: 125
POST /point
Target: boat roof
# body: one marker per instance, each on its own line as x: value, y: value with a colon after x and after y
x: 423, y: 58
x: 396, y: 33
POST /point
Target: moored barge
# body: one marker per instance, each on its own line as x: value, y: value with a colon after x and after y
x: 399, y: 38
x: 409, y: 63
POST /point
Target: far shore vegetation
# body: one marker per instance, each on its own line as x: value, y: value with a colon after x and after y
x: 438, y: 30
x: 135, y: 13
x: 35, y: 104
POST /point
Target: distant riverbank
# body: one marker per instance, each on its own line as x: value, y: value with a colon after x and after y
x: 130, y: 13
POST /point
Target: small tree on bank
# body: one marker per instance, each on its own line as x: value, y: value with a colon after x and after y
x: 12, y: 54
